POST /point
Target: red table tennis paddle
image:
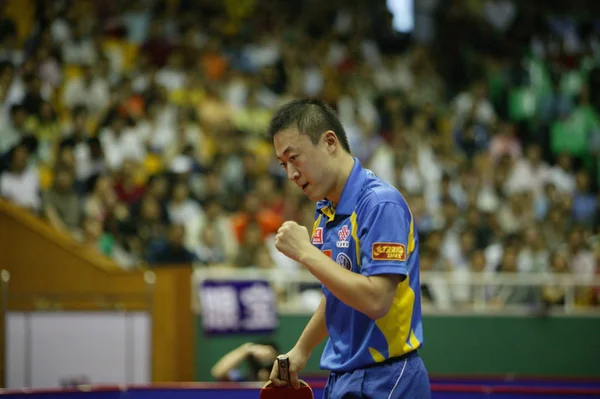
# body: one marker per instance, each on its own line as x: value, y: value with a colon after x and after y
x: 270, y: 391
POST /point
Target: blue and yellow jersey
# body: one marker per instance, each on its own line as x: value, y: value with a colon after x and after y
x: 371, y: 232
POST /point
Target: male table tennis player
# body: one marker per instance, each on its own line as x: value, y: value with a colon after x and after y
x: 364, y: 251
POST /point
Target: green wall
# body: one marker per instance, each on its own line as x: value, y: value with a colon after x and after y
x: 557, y: 346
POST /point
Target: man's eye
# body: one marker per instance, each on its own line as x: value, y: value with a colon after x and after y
x: 283, y: 165
x: 293, y: 158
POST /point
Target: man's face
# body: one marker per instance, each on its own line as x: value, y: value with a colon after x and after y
x: 307, y: 165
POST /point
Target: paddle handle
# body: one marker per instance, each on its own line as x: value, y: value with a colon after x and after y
x: 283, y: 363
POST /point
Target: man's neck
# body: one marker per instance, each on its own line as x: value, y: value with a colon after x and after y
x: 344, y: 170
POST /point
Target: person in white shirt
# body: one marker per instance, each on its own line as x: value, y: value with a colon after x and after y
x: 20, y: 183
x: 530, y: 173
x: 474, y: 105
x: 501, y: 14
x: 213, y: 216
x: 562, y: 174
x: 172, y: 76
x: 182, y: 208
x: 120, y: 143
x: 79, y: 49
x: 581, y: 258
x: 90, y: 90
x: 534, y: 256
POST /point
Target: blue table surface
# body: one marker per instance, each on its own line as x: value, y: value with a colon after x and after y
x: 442, y: 388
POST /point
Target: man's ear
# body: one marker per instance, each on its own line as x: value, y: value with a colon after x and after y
x: 331, y: 141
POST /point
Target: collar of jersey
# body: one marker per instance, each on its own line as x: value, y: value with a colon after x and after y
x: 350, y: 193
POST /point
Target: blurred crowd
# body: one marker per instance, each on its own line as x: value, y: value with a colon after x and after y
x: 139, y: 127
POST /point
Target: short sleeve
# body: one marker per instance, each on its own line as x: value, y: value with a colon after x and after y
x: 383, y: 235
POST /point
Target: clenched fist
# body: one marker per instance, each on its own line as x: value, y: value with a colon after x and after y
x: 292, y: 240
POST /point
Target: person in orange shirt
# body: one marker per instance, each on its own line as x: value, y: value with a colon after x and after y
x: 254, y: 209
x: 213, y: 62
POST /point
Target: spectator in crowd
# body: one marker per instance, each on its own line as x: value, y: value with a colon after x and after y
x: 61, y: 204
x: 13, y: 130
x: 170, y: 250
x: 20, y: 182
x: 555, y: 293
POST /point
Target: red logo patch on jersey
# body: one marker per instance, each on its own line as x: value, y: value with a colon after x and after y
x: 343, y: 233
x: 317, y: 238
x: 328, y: 252
x: 388, y: 251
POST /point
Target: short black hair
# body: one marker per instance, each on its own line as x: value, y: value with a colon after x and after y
x: 311, y: 117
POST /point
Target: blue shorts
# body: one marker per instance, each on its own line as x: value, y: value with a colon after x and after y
x: 398, y: 378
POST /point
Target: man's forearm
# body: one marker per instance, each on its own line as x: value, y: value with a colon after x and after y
x: 346, y: 285
x: 315, y: 331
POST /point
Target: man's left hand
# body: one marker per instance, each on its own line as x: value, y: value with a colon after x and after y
x: 292, y: 240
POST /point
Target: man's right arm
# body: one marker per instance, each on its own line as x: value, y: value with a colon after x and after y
x: 314, y: 332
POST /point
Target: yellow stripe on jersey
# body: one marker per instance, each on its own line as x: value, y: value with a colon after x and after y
x: 354, y: 224
x: 413, y: 340
x: 395, y: 325
x: 411, y: 235
x: 330, y: 213
x: 377, y: 357
x: 315, y: 225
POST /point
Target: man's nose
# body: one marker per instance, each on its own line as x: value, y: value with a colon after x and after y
x: 292, y: 173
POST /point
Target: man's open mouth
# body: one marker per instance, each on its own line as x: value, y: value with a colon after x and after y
x: 304, y: 187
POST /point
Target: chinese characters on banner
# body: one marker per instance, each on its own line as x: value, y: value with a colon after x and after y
x: 230, y: 307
